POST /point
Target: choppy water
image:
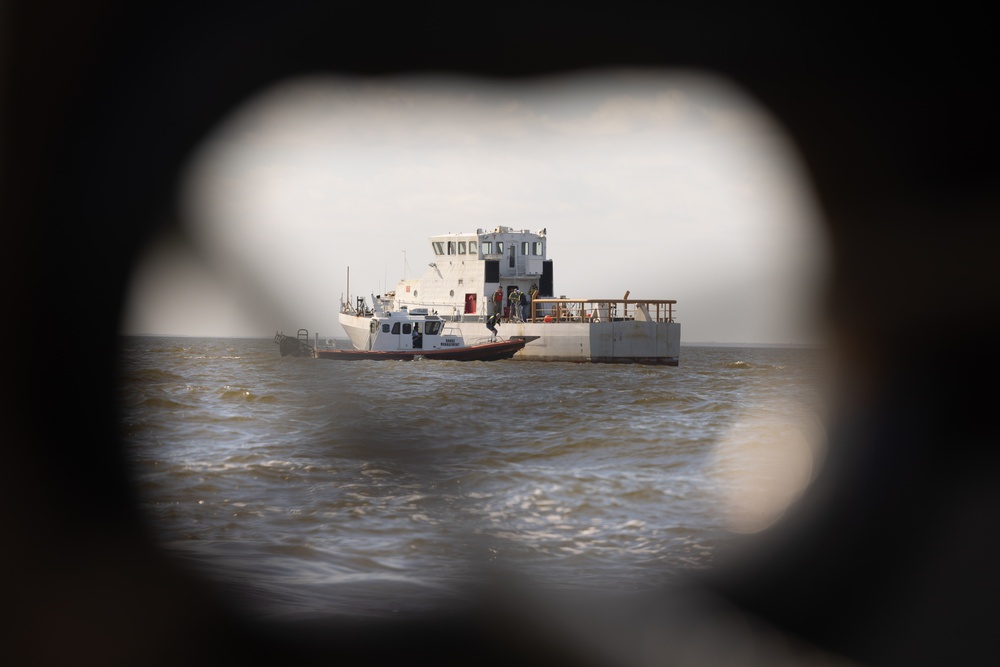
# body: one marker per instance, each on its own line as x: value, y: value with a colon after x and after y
x: 310, y: 487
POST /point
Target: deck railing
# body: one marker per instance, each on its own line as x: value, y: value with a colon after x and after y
x: 601, y: 310
x: 566, y: 310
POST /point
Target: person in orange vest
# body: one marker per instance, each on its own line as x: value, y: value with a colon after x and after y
x: 497, y: 301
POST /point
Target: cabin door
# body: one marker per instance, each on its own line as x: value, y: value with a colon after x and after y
x: 545, y: 284
x: 406, y: 337
x: 401, y: 333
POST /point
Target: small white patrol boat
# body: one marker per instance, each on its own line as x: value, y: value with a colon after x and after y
x: 476, y: 276
x: 407, y: 334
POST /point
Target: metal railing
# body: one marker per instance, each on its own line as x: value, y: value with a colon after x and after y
x: 572, y: 310
x: 601, y: 310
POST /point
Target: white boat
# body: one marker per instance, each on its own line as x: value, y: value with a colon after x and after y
x: 403, y: 335
x: 469, y: 268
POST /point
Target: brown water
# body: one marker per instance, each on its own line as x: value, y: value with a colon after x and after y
x: 309, y: 487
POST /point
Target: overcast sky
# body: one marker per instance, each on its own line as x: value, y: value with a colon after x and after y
x: 666, y: 184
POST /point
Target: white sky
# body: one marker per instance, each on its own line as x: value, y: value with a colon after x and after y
x: 667, y: 184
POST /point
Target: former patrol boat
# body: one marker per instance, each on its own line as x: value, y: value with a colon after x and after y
x: 475, y: 274
x: 398, y: 336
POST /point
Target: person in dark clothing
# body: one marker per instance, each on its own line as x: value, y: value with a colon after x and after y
x: 492, y: 323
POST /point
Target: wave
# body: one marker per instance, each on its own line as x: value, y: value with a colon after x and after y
x: 150, y: 376
x: 232, y: 393
x: 159, y: 402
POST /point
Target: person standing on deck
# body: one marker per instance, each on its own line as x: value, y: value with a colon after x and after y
x: 497, y: 301
x: 515, y: 304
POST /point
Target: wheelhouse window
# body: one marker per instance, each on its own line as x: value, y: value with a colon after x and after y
x: 451, y: 247
x: 461, y: 247
x: 537, y: 248
x: 385, y: 328
x: 524, y: 247
x: 433, y: 328
x: 487, y: 247
x: 395, y: 327
x: 438, y: 247
x: 407, y: 327
x: 473, y: 247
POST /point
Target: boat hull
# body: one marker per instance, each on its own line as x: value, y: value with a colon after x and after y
x: 623, y: 342
x: 485, y: 352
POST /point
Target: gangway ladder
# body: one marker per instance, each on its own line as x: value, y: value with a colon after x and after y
x: 295, y: 347
x: 305, y: 349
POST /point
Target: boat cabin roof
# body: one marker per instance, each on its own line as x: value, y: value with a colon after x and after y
x: 415, y: 314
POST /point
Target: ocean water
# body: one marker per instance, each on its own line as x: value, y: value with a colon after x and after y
x: 309, y: 487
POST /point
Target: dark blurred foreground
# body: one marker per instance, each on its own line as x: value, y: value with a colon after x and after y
x: 889, y: 558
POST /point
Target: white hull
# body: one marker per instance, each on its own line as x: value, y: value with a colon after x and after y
x: 627, y: 341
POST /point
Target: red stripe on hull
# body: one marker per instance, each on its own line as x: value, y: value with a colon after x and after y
x: 486, y: 352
